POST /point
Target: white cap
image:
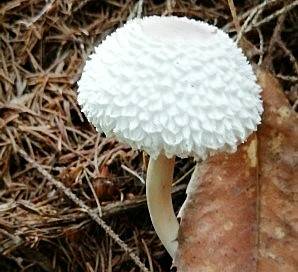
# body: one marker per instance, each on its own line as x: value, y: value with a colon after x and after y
x: 171, y: 85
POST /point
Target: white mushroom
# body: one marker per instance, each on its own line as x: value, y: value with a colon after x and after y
x: 172, y: 87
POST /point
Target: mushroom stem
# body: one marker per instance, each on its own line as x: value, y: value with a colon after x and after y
x: 158, y: 191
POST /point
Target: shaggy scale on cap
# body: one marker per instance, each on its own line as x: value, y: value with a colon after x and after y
x: 172, y: 85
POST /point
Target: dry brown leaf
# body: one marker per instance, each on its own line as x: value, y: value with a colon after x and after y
x: 278, y: 156
x: 243, y: 214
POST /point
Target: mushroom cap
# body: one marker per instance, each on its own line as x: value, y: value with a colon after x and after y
x: 171, y: 85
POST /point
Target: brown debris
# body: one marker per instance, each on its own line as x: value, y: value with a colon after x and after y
x: 43, y: 46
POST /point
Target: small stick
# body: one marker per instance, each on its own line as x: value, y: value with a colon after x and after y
x: 283, y: 10
x: 261, y: 46
x: 124, y: 167
x: 140, y: 8
x: 287, y: 78
x: 234, y: 15
x: 245, y: 24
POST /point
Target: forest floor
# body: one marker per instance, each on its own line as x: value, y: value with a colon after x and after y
x: 47, y: 145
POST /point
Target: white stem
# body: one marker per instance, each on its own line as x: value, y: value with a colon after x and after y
x: 158, y: 191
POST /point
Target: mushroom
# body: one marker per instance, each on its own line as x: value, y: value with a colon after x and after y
x: 170, y: 86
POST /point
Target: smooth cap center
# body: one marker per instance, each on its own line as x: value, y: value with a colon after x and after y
x: 177, y: 30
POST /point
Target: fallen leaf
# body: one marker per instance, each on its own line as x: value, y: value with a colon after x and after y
x: 278, y: 156
x: 242, y: 214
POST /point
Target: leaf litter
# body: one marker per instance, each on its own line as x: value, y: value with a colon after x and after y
x: 43, y: 46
